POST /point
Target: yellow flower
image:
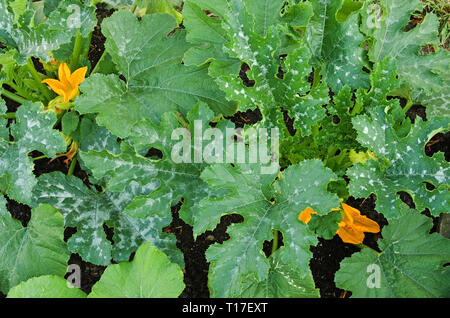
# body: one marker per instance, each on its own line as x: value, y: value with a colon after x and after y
x: 305, y: 215
x: 67, y: 85
x: 353, y: 225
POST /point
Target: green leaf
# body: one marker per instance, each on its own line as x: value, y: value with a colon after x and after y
x: 239, y: 263
x: 158, y: 6
x: 411, y: 263
x: 207, y: 34
x: 325, y: 226
x: 243, y: 34
x: 27, y: 39
x: 70, y: 122
x: 421, y: 73
x: 33, y: 130
x: 45, y: 287
x: 337, y: 43
x: 31, y: 251
x: 89, y: 210
x: 149, y: 275
x: 75, y: 16
x: 401, y: 164
x: 283, y: 282
x: 171, y: 180
x: 156, y: 81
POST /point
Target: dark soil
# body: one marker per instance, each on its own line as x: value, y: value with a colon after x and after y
x: 327, y: 254
x: 98, y: 39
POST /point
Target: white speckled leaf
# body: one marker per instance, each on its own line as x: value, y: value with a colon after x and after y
x: 421, y: 73
x: 30, y: 40
x: 35, y: 250
x: 239, y: 263
x: 33, y: 130
x: 411, y: 263
x: 338, y: 45
x: 155, y: 79
x: 401, y: 164
x: 283, y: 282
x: 89, y: 210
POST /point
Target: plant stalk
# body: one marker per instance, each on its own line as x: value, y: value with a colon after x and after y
x: 275, y: 241
x: 9, y: 115
x: 76, y: 51
x: 19, y: 91
x: 73, y: 163
x: 12, y: 96
x: 94, y: 70
x: 38, y: 79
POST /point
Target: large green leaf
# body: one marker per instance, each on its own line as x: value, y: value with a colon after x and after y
x: 28, y: 40
x: 31, y: 251
x: 238, y: 266
x: 246, y: 36
x: 155, y: 79
x: 149, y: 275
x: 411, y: 263
x: 33, y: 130
x: 45, y: 287
x: 337, y: 44
x: 171, y: 179
x: 401, y: 164
x: 89, y: 210
x: 424, y: 74
x: 39, y: 39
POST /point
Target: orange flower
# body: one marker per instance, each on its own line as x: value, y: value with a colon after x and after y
x: 67, y: 85
x: 353, y: 225
x: 305, y: 215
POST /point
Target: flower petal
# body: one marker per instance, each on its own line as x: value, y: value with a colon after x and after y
x: 64, y: 74
x: 359, y: 222
x: 55, y: 85
x: 305, y: 215
x: 350, y: 235
x: 78, y: 76
x: 71, y: 94
x: 365, y: 224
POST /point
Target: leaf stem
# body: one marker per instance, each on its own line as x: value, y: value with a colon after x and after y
x: 20, y: 91
x: 40, y: 157
x: 408, y: 106
x: 73, y: 163
x: 133, y: 8
x: 365, y: 246
x: 86, y: 52
x: 10, y: 115
x: 75, y: 59
x: 12, y: 96
x: 94, y: 70
x: 275, y: 241
x: 38, y: 79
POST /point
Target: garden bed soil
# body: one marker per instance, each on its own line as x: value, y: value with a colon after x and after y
x: 327, y: 254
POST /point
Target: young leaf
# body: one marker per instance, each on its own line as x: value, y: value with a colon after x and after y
x: 149, y: 275
x: 411, y: 263
x: 45, y: 287
x: 33, y: 130
x: 35, y: 250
